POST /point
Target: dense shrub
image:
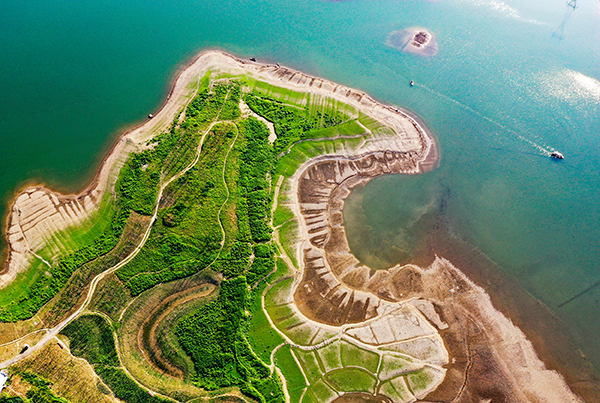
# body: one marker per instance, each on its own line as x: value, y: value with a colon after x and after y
x: 92, y: 339
x: 291, y: 123
x: 207, y: 336
x: 125, y: 388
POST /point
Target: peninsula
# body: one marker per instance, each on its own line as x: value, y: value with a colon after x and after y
x: 208, y: 260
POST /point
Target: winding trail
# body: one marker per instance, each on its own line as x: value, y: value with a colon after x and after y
x: 96, y: 280
x: 53, y: 332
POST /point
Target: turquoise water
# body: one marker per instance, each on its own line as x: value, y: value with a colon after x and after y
x: 509, y: 80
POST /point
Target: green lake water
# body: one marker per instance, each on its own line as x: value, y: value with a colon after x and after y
x: 509, y: 81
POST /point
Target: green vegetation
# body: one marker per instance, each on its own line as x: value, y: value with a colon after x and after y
x: 213, y: 338
x: 92, y: 338
x: 291, y: 123
x: 351, y: 128
x: 282, y: 271
x: 288, y: 234
x: 207, y: 337
x: 356, y: 356
x: 309, y: 362
x: 287, y: 96
x: 135, y: 192
x: 111, y: 297
x: 39, y: 392
x: 282, y: 214
x: 261, y: 336
x: 212, y: 220
x: 420, y: 380
x: 186, y: 237
x: 124, y: 387
x: 352, y: 380
x: 321, y: 392
x: 5, y: 398
x: 291, y: 371
x: 331, y: 356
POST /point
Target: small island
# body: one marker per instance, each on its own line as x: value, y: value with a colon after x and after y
x: 414, y: 40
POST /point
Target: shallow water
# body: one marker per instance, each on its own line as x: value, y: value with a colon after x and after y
x: 510, y: 81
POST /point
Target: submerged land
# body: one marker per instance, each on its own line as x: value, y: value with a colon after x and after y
x: 208, y: 261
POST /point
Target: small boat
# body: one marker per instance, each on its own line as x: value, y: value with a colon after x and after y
x: 557, y: 155
x: 150, y: 116
x: 253, y: 59
x: 412, y: 83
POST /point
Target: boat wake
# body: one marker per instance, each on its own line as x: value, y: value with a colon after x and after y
x: 543, y: 150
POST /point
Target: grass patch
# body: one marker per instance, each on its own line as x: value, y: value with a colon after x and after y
x: 288, y: 233
x: 262, y: 337
x: 350, y: 128
x: 351, y: 380
x: 393, y: 365
x: 298, y: 99
x: 279, y: 294
x: 321, y: 392
x: 369, y: 122
x: 282, y: 214
x: 330, y: 356
x: 396, y: 389
x: 355, y: 356
x: 282, y: 272
x: 290, y: 370
x: 20, y: 285
x: 421, y: 380
x: 309, y: 363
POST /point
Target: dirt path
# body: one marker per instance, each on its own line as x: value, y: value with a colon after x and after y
x: 247, y: 111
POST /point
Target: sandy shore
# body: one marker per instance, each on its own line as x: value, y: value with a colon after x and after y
x: 475, y: 329
x: 489, y: 356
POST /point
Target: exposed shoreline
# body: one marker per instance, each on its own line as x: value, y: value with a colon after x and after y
x: 490, y: 357
x: 29, y: 222
x: 548, y: 334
